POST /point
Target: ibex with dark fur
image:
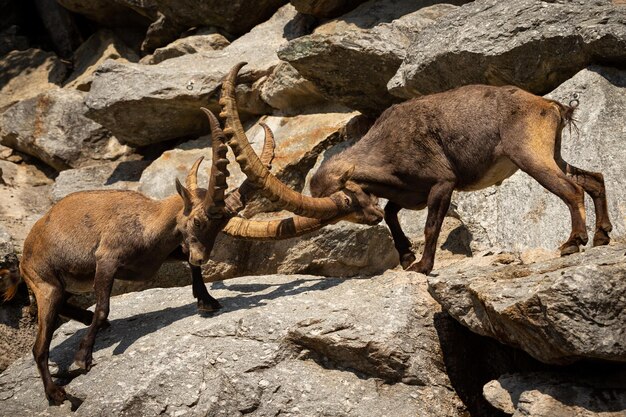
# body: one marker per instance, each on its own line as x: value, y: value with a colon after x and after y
x: 418, y: 152
x: 90, y: 238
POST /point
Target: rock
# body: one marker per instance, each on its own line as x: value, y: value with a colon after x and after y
x: 100, y: 46
x: 160, y: 32
x: 52, y: 127
x: 113, y: 175
x: 210, y: 41
x: 558, y: 395
x: 533, y: 44
x: 168, y: 95
x: 24, y: 74
x: 10, y: 40
x: 325, y: 8
x: 61, y: 30
x: 24, y: 196
x: 596, y: 146
x: 286, y: 90
x: 293, y: 345
x: 559, y: 311
x: 235, y: 16
x: 351, y: 59
x: 299, y: 140
x: 117, y: 13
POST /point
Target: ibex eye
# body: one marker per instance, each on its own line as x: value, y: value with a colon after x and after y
x: 196, y: 223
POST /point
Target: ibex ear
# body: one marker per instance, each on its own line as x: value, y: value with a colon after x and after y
x: 186, y: 196
x: 347, y: 175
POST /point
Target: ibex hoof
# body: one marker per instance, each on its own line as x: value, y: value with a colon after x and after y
x: 420, y: 267
x: 56, y: 395
x: 601, y: 238
x: 83, y: 361
x: 407, y: 260
x: 208, y: 306
x: 569, y: 248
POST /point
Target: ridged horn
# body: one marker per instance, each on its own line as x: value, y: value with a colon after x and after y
x: 274, y: 229
x: 191, y: 182
x: 255, y: 170
x: 214, y: 199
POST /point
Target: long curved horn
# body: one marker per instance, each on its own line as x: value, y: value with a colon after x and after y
x: 191, y: 182
x: 274, y: 229
x: 214, y: 199
x: 269, y: 144
x: 253, y: 167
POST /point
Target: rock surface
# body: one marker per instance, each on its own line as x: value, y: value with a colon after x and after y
x: 53, y: 128
x: 100, y: 46
x: 559, y: 395
x: 25, y: 74
x: 325, y: 8
x: 533, y: 44
x: 286, y: 90
x: 112, y: 13
x: 377, y: 357
x: 559, y: 311
x: 210, y: 41
x: 597, y: 144
x: 168, y: 95
x: 351, y: 59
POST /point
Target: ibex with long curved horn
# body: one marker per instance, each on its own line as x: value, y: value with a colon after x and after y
x: 420, y: 151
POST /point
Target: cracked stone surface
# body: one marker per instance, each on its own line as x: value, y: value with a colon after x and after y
x: 559, y: 311
x: 289, y: 345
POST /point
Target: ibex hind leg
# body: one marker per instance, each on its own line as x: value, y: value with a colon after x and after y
x: 593, y: 184
x: 49, y: 300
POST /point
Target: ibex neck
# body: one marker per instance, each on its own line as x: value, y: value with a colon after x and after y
x: 168, y: 216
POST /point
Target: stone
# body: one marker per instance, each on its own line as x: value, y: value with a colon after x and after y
x: 53, y: 128
x: 325, y: 8
x: 286, y: 90
x: 235, y: 16
x: 209, y: 41
x: 544, y: 394
x: 116, y: 13
x: 296, y: 345
x: 160, y: 32
x: 25, y: 74
x: 10, y: 40
x: 61, y: 29
x: 109, y: 176
x: 168, y: 95
x: 100, y: 46
x: 350, y: 59
x: 559, y: 311
x: 595, y: 145
x: 299, y: 139
x: 533, y: 44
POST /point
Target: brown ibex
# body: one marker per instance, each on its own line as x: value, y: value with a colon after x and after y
x: 418, y: 152
x: 90, y: 238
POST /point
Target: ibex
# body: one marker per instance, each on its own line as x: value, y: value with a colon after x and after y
x: 90, y: 238
x: 418, y: 152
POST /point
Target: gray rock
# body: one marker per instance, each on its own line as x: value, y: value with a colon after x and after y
x: 351, y: 59
x: 292, y: 345
x: 286, y: 90
x: 533, y: 44
x: 100, y: 46
x: 61, y: 30
x: 558, y: 311
x: 160, y: 33
x: 53, y: 128
x: 325, y: 8
x: 113, y: 175
x: 113, y: 13
x: 210, y: 41
x: 25, y: 74
x: 558, y: 395
x: 596, y: 145
x: 168, y: 95
x: 235, y: 16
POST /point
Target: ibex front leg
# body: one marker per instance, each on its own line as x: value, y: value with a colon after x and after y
x: 438, y: 203
x: 401, y: 242
x: 206, y: 303
x: 103, y: 282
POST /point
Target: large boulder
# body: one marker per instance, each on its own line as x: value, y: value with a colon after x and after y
x: 100, y: 46
x: 235, y: 16
x: 533, y: 44
x: 112, y: 13
x: 53, y: 128
x: 325, y: 8
x: 542, y: 394
x: 208, y: 40
x: 351, y: 59
x: 595, y: 144
x: 559, y: 311
x: 25, y: 74
x: 293, y: 345
x: 168, y: 95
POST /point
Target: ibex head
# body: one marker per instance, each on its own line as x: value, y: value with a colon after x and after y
x: 204, y: 213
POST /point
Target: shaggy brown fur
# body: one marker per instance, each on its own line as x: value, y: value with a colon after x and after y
x: 419, y: 152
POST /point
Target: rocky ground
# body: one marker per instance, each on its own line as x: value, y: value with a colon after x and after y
x: 105, y: 94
